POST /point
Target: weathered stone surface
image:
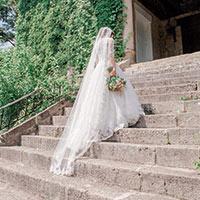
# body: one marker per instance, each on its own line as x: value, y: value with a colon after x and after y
x: 192, y: 106
x: 166, y: 82
x: 128, y: 176
x: 49, y: 130
x: 177, y: 156
x: 40, y: 142
x: 151, y: 121
x: 153, y: 162
x: 165, y: 155
x: 53, y: 187
x: 160, y: 121
x: 184, y: 136
x: 189, y: 120
x: 169, y: 97
x: 164, y: 107
x: 170, y: 64
x: 13, y: 136
x: 180, y: 136
x: 141, y: 136
x: 157, y: 75
x: 167, y: 89
x: 140, y: 154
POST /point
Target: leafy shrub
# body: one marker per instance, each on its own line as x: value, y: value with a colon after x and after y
x: 51, y: 37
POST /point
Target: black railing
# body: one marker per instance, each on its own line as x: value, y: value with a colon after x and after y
x: 16, y: 112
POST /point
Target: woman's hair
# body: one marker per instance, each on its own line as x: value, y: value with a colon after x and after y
x: 112, y: 34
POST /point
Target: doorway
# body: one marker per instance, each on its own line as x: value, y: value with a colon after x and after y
x: 190, y: 28
x: 143, y: 20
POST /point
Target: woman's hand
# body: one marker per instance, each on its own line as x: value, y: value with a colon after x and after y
x: 113, y: 72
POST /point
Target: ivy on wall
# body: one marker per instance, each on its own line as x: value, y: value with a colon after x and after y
x: 63, y: 30
x: 110, y: 13
x: 52, y: 35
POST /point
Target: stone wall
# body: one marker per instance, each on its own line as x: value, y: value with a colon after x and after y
x: 171, y: 46
x: 163, y: 41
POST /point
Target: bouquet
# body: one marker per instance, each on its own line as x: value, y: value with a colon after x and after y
x: 114, y: 82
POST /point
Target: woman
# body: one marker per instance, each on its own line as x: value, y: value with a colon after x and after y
x: 97, y: 111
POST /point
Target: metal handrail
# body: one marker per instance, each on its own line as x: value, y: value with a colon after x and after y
x: 30, y: 104
x: 21, y: 98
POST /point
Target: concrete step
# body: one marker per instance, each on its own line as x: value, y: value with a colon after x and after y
x: 154, y: 121
x: 142, y: 78
x: 150, y: 121
x: 54, y: 187
x: 191, y: 99
x: 185, y: 136
x: 145, y: 99
x: 165, y: 82
x: 170, y: 64
x: 168, y: 107
x: 192, y: 106
x: 177, y: 183
x: 161, y: 72
x: 163, y: 155
x: 173, y: 136
x: 167, y: 89
x: 164, y: 107
x: 10, y: 192
x: 182, y: 156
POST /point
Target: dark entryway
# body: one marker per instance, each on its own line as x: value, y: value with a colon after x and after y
x: 190, y: 27
x: 166, y: 9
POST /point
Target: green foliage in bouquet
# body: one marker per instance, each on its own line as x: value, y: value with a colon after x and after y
x: 197, y: 165
x: 116, y: 83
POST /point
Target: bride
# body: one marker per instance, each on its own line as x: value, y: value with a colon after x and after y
x: 97, y: 112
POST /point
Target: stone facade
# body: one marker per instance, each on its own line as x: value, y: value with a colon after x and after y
x: 163, y: 41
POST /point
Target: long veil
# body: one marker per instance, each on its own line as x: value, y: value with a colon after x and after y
x: 81, y: 129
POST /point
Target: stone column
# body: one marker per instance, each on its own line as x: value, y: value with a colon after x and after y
x: 128, y: 35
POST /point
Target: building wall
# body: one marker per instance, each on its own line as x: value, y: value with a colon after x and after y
x: 171, y: 46
x: 163, y: 40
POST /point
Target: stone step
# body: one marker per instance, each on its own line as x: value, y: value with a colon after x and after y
x: 179, y: 156
x: 177, y: 183
x: 184, y: 136
x: 173, y: 136
x: 53, y: 187
x: 164, y: 107
x: 165, y: 82
x: 158, y: 72
x: 181, y: 120
x: 142, y: 78
x: 50, y: 130
x: 167, y: 107
x: 167, y: 89
x: 170, y: 64
x: 9, y: 192
x: 182, y: 156
x: 145, y: 99
x: 150, y: 121
x: 192, y: 106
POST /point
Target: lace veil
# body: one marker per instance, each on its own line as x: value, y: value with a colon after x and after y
x: 81, y: 129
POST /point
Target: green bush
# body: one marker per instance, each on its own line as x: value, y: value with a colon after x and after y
x: 51, y: 37
x: 64, y: 30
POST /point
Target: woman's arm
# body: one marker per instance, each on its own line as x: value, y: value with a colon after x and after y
x: 112, y: 57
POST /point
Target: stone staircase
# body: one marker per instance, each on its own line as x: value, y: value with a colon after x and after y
x: 153, y: 162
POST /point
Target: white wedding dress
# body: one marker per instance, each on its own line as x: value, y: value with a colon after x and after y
x: 97, y: 112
